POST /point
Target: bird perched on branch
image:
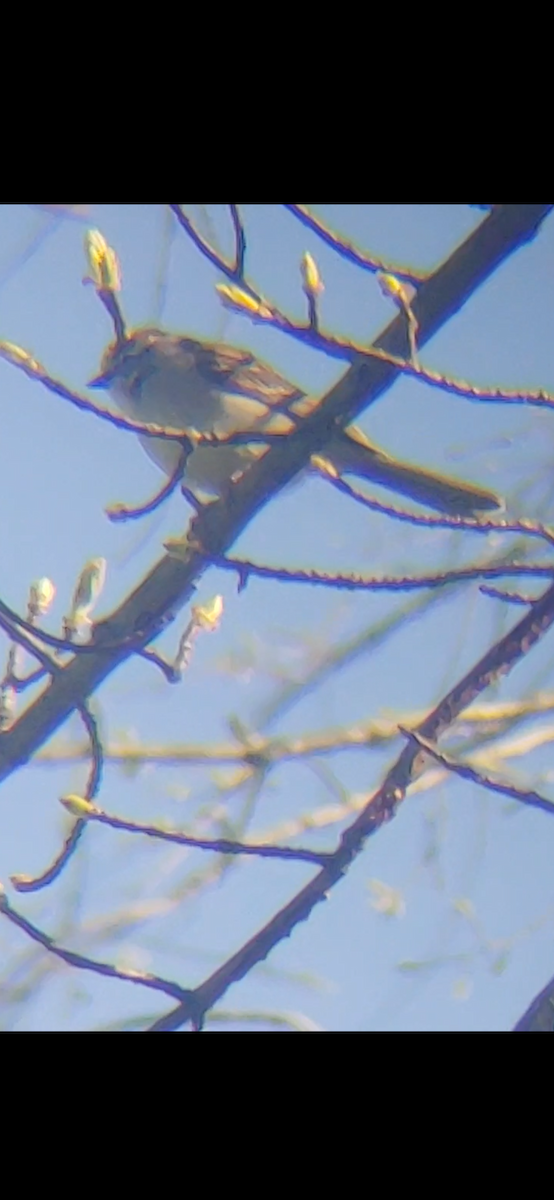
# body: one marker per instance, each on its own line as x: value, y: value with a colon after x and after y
x: 176, y: 381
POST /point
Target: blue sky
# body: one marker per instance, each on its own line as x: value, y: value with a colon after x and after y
x: 472, y: 872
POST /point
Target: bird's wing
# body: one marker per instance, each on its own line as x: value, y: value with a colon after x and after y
x: 241, y: 372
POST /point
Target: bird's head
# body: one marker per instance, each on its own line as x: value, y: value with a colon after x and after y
x: 122, y: 360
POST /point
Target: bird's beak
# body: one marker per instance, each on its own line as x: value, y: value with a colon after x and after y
x: 101, y: 381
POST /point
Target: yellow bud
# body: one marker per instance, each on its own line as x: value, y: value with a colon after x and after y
x: 181, y: 547
x: 95, y: 245
x: 89, y: 586
x: 401, y: 293
x: 319, y: 463
x: 103, y: 262
x: 41, y: 595
x: 18, y: 356
x: 208, y: 615
x: 313, y: 283
x: 78, y: 806
x: 234, y: 297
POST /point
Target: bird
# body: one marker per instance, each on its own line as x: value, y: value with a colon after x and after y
x: 177, y: 381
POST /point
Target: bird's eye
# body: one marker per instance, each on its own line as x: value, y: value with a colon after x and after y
x: 134, y: 382
x: 128, y: 358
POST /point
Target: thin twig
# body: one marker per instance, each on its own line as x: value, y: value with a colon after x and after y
x: 371, y: 583
x: 35, y: 883
x: 346, y: 249
x: 481, y: 524
x: 240, y: 240
x: 509, y: 597
x: 30, y: 883
x: 465, y: 771
x: 381, y: 808
x: 121, y: 512
x: 109, y: 299
x: 82, y: 962
x: 217, y: 845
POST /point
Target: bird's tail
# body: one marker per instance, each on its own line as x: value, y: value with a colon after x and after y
x: 352, y: 453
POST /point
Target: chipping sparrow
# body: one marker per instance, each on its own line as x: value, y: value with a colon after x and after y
x: 181, y: 383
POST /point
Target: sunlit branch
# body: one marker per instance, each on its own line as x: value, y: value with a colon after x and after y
x: 245, y: 569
